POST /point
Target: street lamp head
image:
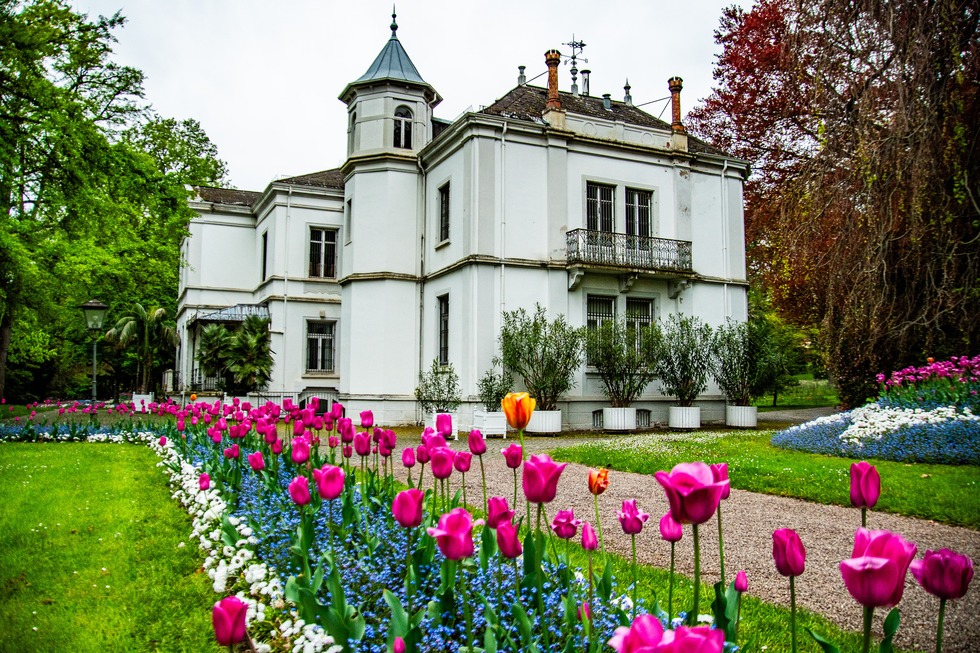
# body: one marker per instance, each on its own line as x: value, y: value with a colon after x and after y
x: 94, y: 311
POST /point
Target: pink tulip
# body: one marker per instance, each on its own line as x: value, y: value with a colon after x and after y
x: 565, y: 525
x: 163, y: 441
x: 407, y: 507
x: 300, y: 450
x: 255, y: 461
x: 699, y: 639
x: 362, y: 444
x: 408, y: 457
x: 719, y: 471
x: 329, y: 482
x: 692, y: 492
x: 642, y: 636
x: 865, y: 485
x: 513, y: 456
x: 944, y: 573
x: 277, y: 447
x: 345, y: 427
x: 670, y: 529
x: 204, y: 481
x: 433, y: 441
x: 498, y: 512
x: 442, y: 462
x: 478, y: 446
x: 540, y: 479
x: 367, y: 419
x: 444, y: 424
x: 454, y: 534
x: 333, y: 442
x: 631, y: 518
x: 462, y: 461
x: 875, y: 573
x: 398, y: 646
x: 788, y: 552
x: 336, y: 410
x: 741, y: 582
x: 348, y: 451
x: 422, y: 454
x: 585, y: 610
x: 232, y: 452
x: 589, y: 540
x: 228, y: 617
x: 299, y: 491
x: 507, y: 540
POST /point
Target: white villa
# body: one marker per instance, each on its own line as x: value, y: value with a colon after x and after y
x: 430, y: 230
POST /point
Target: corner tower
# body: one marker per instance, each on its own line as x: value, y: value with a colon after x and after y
x: 389, y: 121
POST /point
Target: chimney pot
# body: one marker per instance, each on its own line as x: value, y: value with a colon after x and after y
x: 606, y: 101
x: 629, y: 98
x: 552, y: 58
x: 585, y: 82
x: 521, y: 78
x: 675, y: 84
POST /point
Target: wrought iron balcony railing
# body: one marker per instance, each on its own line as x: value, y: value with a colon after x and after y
x: 622, y: 250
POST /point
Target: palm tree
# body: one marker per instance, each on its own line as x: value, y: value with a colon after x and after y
x: 145, y: 331
x: 249, y: 356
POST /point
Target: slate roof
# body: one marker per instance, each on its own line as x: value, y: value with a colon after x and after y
x: 528, y: 103
x: 332, y: 178
x: 226, y: 195
x: 392, y: 63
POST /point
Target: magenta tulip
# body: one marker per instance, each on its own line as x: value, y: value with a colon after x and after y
x: 444, y: 424
x: 865, y: 485
x: 228, y: 617
x: 367, y: 419
x: 631, y: 518
x: 407, y: 507
x: 422, y: 454
x: 478, y: 446
x: 329, y: 482
x: 507, y: 540
x: 462, y: 461
x: 299, y: 491
x: 345, y: 427
x: 333, y: 442
x: 642, y: 636
x: 442, y: 462
x: 398, y: 646
x: 300, y: 450
x: 565, y: 525
x: 788, y: 552
x: 498, y: 512
x: 204, y: 481
x: 741, y: 582
x: 540, y: 479
x: 348, y: 451
x: 336, y: 410
x: 698, y: 639
x: 875, y: 573
x: 670, y: 529
x: 589, y: 541
x: 692, y: 492
x: 255, y: 461
x: 362, y: 444
x: 408, y: 457
x: 434, y: 441
x: 944, y: 573
x: 232, y: 452
x: 719, y: 471
x: 163, y: 441
x: 277, y: 447
x: 584, y: 610
x: 454, y: 534
x: 513, y: 456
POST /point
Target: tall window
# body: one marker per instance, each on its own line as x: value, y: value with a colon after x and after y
x: 320, y: 346
x: 265, y: 255
x: 444, y: 212
x: 638, y: 212
x: 598, y: 310
x: 444, y: 330
x: 403, y: 127
x: 323, y: 253
x: 599, y: 202
x: 639, y: 315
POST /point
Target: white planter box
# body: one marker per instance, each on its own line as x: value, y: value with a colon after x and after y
x: 746, y: 417
x: 455, y: 422
x: 544, y: 421
x: 141, y: 403
x: 490, y: 422
x: 618, y: 419
x: 684, y: 417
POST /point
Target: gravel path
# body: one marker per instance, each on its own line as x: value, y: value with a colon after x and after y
x: 750, y: 518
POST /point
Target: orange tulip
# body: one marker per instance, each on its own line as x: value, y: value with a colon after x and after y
x: 193, y: 397
x: 518, y: 407
x: 598, y: 481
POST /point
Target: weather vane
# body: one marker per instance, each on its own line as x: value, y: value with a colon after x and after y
x: 577, y: 47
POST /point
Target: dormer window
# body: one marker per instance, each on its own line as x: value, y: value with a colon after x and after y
x: 403, y: 127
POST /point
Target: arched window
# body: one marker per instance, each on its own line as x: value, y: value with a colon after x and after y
x: 403, y: 127
x: 351, y: 140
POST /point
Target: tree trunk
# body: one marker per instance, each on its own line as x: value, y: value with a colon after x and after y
x: 6, y: 328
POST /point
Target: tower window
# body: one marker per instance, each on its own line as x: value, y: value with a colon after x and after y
x: 403, y: 128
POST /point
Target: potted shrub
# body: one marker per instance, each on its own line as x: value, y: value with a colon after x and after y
x: 613, y: 349
x: 492, y: 387
x: 680, y: 349
x: 739, y: 349
x: 438, y: 393
x: 545, y: 353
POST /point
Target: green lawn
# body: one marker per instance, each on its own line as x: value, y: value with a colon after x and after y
x: 89, y: 555
x: 943, y: 493
x: 809, y: 393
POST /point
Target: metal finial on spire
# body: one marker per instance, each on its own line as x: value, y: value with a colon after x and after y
x: 576, y: 47
x: 629, y: 98
x: 394, y: 22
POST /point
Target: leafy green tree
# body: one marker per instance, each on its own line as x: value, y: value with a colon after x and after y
x: 241, y: 358
x: 181, y: 150
x: 680, y: 350
x: 148, y: 333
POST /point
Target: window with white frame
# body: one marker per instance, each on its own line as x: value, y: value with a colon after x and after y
x: 600, y: 200
x: 444, y: 212
x: 323, y: 253
x: 403, y: 128
x: 320, y: 346
x: 638, y: 212
x: 443, y: 329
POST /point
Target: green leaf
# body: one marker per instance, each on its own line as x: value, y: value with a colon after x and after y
x: 719, y: 608
x: 826, y: 645
x: 892, y: 621
x: 489, y: 641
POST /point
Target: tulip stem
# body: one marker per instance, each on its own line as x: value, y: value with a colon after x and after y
x: 483, y: 478
x: 939, y: 627
x: 670, y: 587
x: 721, y: 549
x: 465, y: 503
x: 633, y: 543
x: 598, y: 523
x: 864, y: 517
x: 792, y: 618
x: 738, y: 614
x: 515, y: 492
x: 408, y: 571
x: 692, y: 618
x: 466, y: 607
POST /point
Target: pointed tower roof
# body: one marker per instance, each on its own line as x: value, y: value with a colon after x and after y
x: 392, y: 63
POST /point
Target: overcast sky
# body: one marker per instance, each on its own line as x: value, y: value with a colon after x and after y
x: 263, y: 76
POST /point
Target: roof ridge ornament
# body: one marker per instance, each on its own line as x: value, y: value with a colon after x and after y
x: 394, y: 22
x: 577, y: 47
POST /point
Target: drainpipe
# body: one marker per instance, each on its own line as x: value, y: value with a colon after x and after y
x: 285, y: 292
x: 422, y: 200
x: 503, y: 225
x: 725, y: 221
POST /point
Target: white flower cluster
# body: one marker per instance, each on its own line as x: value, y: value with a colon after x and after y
x: 874, y: 421
x: 235, y: 566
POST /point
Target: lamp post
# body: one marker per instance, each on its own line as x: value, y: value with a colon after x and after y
x: 94, y: 311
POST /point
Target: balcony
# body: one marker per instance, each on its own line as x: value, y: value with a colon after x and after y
x: 624, y: 252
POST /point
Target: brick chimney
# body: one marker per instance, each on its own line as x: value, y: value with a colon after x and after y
x: 678, y: 138
x: 553, y: 114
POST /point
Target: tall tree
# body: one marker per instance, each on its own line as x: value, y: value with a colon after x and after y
x: 147, y: 332
x: 863, y: 215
